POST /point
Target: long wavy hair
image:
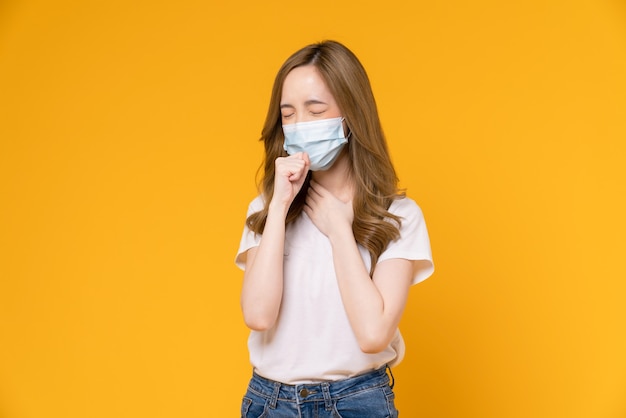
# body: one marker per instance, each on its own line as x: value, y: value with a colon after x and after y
x: 375, y: 179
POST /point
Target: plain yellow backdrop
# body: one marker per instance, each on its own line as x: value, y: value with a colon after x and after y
x: 128, y: 154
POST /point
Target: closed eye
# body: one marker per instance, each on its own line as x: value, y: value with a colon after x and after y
x: 287, y: 110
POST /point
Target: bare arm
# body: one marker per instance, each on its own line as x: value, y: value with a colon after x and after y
x: 374, y: 305
x: 262, y: 289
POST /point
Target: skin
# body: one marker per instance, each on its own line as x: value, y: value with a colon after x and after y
x: 374, y: 305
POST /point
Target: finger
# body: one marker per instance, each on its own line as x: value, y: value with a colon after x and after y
x: 286, y: 164
x: 316, y: 188
x: 312, y: 200
x: 308, y: 211
x: 295, y: 175
x: 291, y: 159
x: 298, y: 170
x: 309, y: 201
x: 303, y: 157
x: 313, y: 193
x: 307, y: 161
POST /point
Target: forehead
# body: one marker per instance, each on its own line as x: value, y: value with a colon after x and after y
x: 305, y: 83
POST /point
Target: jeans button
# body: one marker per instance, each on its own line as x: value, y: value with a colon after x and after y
x: 304, y: 393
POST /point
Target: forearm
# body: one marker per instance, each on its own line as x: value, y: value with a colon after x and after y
x: 262, y: 290
x: 362, y: 300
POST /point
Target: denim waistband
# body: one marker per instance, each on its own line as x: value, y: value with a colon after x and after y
x: 313, y: 392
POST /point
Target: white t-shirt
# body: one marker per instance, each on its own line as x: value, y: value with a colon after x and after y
x: 312, y: 340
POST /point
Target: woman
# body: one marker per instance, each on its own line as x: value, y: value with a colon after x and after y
x: 330, y: 247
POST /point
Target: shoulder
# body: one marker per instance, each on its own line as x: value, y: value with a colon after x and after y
x: 256, y: 204
x: 405, y: 207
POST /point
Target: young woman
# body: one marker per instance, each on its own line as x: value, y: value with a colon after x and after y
x: 330, y: 248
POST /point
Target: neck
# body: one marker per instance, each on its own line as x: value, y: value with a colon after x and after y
x: 337, y: 179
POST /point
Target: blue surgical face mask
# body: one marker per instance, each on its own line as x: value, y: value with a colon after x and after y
x: 322, y: 140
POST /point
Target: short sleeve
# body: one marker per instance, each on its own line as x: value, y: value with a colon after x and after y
x: 248, y: 238
x: 413, y: 243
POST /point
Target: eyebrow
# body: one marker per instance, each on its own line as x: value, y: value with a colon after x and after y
x: 307, y: 103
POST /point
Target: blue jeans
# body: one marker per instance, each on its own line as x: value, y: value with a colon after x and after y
x: 365, y: 396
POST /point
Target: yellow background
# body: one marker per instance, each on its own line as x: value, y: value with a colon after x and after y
x: 128, y: 152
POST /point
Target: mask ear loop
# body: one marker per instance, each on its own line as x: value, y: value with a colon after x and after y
x: 347, y: 127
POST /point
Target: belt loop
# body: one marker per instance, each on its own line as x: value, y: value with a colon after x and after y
x: 393, y: 380
x: 328, y: 402
x: 274, y: 397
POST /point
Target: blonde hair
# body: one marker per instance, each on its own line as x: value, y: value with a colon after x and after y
x: 376, y: 183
